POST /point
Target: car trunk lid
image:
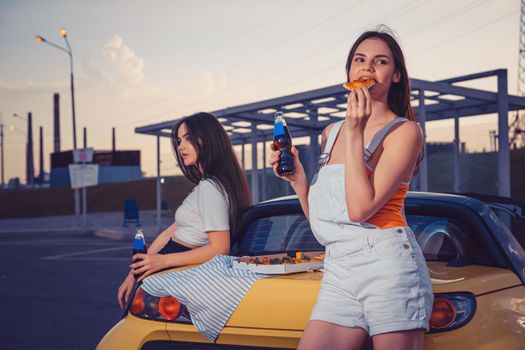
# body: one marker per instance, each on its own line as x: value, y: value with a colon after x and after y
x: 285, y: 302
x: 476, y: 279
x: 280, y: 302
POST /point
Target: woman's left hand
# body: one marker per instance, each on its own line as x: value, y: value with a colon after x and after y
x: 147, y: 264
x: 358, y: 109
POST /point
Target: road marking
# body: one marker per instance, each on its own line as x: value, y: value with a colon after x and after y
x: 61, y: 243
x: 95, y: 259
x: 55, y: 257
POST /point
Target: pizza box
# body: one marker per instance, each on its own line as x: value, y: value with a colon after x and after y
x: 278, y: 269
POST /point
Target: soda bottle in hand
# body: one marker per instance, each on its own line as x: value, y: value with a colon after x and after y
x: 282, y: 141
x: 139, y: 246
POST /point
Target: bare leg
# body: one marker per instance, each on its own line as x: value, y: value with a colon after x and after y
x: 325, y: 335
x: 404, y: 340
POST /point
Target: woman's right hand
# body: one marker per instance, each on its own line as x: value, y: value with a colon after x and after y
x: 298, y: 177
x: 125, y: 289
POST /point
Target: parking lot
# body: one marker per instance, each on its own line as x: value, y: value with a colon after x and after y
x: 59, y: 292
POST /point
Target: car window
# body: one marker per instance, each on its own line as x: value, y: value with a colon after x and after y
x: 440, y: 238
x: 277, y: 234
x: 445, y: 239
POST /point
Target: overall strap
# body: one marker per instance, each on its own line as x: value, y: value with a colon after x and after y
x: 333, y: 135
x: 380, y: 135
x: 325, y: 156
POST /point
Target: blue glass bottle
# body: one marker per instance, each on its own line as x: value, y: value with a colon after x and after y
x: 282, y: 141
x: 139, y: 246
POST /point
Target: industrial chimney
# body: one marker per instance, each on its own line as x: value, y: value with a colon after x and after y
x: 41, y: 161
x: 56, y: 127
x: 114, y: 147
x: 30, y: 175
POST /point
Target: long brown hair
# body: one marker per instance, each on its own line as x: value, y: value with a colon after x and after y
x: 399, y: 94
x: 217, y: 160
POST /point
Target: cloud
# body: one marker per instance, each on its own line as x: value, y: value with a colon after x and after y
x: 101, y: 84
x: 130, y: 66
x: 123, y: 75
x: 92, y: 76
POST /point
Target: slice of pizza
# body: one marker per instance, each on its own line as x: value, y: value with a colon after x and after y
x: 362, y: 82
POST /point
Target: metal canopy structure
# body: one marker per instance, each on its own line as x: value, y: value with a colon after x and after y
x: 308, y: 113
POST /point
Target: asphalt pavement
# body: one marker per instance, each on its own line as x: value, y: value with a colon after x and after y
x: 59, y: 280
x: 108, y: 225
x: 59, y: 292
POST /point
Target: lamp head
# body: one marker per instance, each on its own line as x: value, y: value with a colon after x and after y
x: 39, y: 39
x: 63, y: 32
x: 12, y: 127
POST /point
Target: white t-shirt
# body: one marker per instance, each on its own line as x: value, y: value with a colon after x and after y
x: 205, y: 209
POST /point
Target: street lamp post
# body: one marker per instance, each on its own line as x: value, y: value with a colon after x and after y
x: 13, y: 128
x: 2, y: 147
x: 30, y: 172
x: 69, y: 51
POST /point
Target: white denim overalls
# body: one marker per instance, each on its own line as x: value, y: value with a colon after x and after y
x: 374, y: 278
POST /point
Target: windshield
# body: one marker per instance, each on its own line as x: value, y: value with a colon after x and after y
x: 440, y: 238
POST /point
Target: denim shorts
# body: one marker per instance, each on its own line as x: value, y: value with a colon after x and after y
x: 377, y: 281
x: 173, y: 247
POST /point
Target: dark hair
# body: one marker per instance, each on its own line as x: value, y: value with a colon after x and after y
x: 399, y: 94
x: 216, y: 158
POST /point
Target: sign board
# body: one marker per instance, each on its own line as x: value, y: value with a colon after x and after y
x: 83, y: 155
x: 83, y: 175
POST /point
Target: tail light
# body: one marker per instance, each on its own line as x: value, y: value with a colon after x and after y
x: 147, y: 306
x: 169, y: 308
x: 137, y: 304
x: 451, y: 311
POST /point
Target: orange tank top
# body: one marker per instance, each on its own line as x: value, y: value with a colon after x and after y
x: 392, y: 214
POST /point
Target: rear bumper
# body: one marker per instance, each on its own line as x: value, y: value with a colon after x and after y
x: 132, y: 333
x: 169, y: 345
x: 136, y: 333
x: 243, y: 337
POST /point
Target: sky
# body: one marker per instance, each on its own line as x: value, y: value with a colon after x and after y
x: 143, y: 62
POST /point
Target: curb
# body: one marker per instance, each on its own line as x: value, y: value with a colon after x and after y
x: 47, y: 232
x: 107, y: 233
x: 113, y: 234
x: 126, y: 234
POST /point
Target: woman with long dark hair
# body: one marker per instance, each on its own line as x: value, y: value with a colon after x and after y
x: 208, y: 217
x: 375, y: 280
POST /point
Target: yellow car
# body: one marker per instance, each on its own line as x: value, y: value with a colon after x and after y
x: 476, y: 264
